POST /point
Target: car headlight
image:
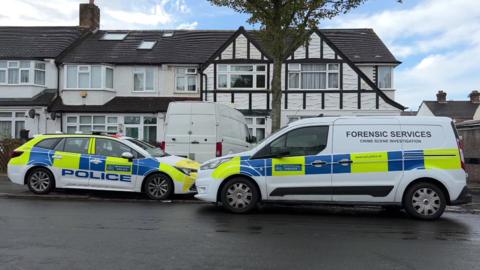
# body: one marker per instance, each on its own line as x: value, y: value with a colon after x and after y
x: 209, y: 165
x: 186, y: 171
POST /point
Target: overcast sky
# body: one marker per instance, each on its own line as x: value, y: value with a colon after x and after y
x: 438, y: 41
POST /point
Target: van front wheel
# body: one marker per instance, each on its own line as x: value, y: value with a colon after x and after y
x: 424, y: 201
x: 239, y: 195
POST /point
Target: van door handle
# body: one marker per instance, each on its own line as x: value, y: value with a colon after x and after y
x: 318, y: 163
x: 195, y: 142
x: 345, y: 162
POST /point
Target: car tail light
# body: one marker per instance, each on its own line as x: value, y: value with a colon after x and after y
x: 460, y: 150
x: 162, y: 145
x: 15, y: 154
x: 218, y: 149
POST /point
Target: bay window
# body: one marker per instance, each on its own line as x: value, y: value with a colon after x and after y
x: 384, y: 77
x: 313, y: 76
x: 242, y: 76
x: 143, y: 79
x: 88, y: 77
x: 22, y: 72
x: 88, y: 123
x: 186, y: 79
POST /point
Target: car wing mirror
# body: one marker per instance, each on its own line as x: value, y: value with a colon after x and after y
x: 127, y: 155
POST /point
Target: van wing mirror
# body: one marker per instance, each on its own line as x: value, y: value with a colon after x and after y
x: 251, y: 139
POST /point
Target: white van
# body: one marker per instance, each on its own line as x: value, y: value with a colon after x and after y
x: 204, y: 130
x: 410, y: 162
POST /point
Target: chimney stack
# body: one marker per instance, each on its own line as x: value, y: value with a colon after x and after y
x: 474, y: 97
x: 89, y: 16
x: 441, y: 97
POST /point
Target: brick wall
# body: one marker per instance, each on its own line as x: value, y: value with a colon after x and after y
x: 471, y: 142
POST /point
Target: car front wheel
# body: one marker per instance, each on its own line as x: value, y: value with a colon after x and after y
x: 158, y: 187
x: 239, y: 195
x: 425, y: 201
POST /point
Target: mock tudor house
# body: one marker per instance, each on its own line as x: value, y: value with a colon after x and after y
x: 459, y: 110
x: 123, y: 80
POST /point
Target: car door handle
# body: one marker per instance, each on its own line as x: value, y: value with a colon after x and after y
x: 345, y: 162
x: 96, y: 161
x: 195, y: 142
x: 318, y: 163
x: 57, y: 157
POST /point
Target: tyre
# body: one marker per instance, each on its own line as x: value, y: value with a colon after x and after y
x: 158, y: 187
x: 239, y: 195
x: 424, y: 201
x: 40, y: 181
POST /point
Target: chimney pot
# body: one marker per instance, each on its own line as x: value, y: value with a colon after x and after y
x: 89, y: 16
x: 474, y: 96
x: 441, y: 97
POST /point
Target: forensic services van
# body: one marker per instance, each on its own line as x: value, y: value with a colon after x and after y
x: 100, y: 162
x: 410, y: 162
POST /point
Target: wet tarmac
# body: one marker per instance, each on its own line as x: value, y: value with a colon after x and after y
x: 43, y: 234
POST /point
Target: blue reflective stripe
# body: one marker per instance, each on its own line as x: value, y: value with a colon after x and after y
x: 341, y: 168
x: 395, y: 161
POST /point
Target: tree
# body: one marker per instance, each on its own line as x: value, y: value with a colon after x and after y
x: 284, y: 26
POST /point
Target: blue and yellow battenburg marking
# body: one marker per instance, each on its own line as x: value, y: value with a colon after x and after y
x: 368, y: 162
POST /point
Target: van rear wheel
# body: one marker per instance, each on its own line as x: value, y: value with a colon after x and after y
x: 239, y: 195
x: 424, y: 201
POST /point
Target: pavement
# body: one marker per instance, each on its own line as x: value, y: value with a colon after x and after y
x: 81, y: 234
x: 10, y: 190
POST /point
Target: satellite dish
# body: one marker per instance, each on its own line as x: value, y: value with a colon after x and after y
x: 31, y: 113
x: 53, y: 115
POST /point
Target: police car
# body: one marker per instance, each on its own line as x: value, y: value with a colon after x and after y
x: 100, y: 162
x: 410, y: 162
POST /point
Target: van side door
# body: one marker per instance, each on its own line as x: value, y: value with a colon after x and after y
x: 367, y: 159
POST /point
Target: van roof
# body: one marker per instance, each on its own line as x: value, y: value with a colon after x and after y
x: 400, y: 119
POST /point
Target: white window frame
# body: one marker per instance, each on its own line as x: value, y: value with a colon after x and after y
x: 31, y: 72
x: 13, y: 119
x: 186, y: 75
x: 77, y: 123
x: 103, y: 77
x: 254, y: 73
x: 391, y: 77
x: 252, y: 128
x: 143, y: 72
x: 327, y: 72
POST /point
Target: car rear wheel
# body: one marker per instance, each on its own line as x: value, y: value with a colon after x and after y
x: 239, y: 195
x: 40, y: 181
x: 158, y: 187
x: 425, y: 201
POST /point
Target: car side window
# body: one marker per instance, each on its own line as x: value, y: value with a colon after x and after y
x: 76, y: 145
x: 304, y: 141
x: 111, y: 148
x: 48, y: 143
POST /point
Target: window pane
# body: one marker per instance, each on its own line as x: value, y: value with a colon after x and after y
x: 71, y: 119
x: 307, y: 141
x: 24, y: 64
x: 181, y: 83
x: 39, y: 65
x: 85, y: 119
x: 313, y: 67
x: 71, y: 76
x: 222, y: 81
x: 138, y: 82
x: 149, y: 120
x: 112, y: 120
x: 333, y: 80
x: 13, y: 64
x: 98, y: 128
x: 241, y: 81
x: 112, y: 129
x: 76, y: 145
x: 236, y: 68
x: 385, y: 77
x: 332, y: 66
x: 110, y: 148
x: 71, y: 129
x: 39, y: 77
x: 293, y: 80
x: 260, y: 134
x: 19, y: 125
x: 3, y: 74
x: 19, y: 114
x: 313, y: 80
x: 192, y: 83
x: 5, y: 129
x: 86, y: 129
x: 149, y: 79
x: 131, y: 132
x: 24, y: 75
x: 13, y: 76
x: 83, y: 80
x: 99, y: 119
x: 293, y: 66
x: 5, y: 114
x: 261, y: 68
x: 132, y: 120
x: 109, y: 78
x: 180, y: 71
x: 261, y: 81
x: 150, y: 134
x: 260, y: 121
x: 222, y: 68
x: 96, y: 77
x: 3, y: 64
x: 48, y: 143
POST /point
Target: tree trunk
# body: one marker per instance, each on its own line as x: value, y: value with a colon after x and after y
x: 276, y: 94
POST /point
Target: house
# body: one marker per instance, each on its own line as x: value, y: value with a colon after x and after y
x: 123, y: 80
x: 459, y: 110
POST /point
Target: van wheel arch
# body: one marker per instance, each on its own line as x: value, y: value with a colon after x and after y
x: 153, y: 173
x: 36, y: 167
x: 250, y: 179
x: 431, y: 181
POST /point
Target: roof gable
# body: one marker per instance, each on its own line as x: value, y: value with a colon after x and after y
x: 463, y: 109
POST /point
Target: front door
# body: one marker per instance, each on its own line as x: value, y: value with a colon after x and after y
x: 71, y: 162
x: 109, y: 169
x: 300, y: 165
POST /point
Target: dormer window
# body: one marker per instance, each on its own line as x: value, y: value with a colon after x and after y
x: 146, y: 45
x: 114, y: 36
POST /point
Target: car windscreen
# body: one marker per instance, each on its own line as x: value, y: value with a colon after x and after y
x: 152, y: 150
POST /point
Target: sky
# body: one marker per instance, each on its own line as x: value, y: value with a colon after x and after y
x: 437, y: 41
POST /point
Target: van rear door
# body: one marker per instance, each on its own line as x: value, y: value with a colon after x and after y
x: 203, y: 137
x: 177, y: 134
